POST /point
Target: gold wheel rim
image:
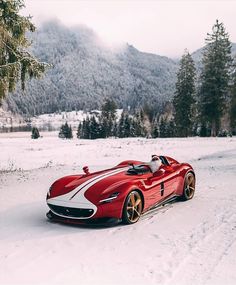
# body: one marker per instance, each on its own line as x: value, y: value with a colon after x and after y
x: 134, y: 207
x: 190, y: 185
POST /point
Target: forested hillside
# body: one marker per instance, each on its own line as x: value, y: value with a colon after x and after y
x: 85, y: 71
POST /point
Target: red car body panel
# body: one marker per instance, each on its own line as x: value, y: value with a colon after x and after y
x: 86, y: 193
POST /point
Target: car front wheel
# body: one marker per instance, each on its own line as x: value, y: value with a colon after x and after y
x: 132, y: 208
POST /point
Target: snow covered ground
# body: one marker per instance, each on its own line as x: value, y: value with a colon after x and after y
x: 190, y: 242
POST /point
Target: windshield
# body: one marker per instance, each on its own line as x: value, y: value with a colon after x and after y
x: 138, y: 169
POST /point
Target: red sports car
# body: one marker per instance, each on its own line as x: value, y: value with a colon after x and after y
x: 121, y: 193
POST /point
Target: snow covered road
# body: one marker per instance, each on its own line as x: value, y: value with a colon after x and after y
x: 190, y: 242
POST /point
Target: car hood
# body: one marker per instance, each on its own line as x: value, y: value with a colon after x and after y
x: 91, y: 187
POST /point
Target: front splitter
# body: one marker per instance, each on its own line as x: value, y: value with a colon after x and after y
x: 99, y: 222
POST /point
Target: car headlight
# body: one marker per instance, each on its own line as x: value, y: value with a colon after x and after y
x: 109, y: 199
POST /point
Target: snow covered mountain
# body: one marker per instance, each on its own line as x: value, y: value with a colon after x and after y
x: 85, y: 71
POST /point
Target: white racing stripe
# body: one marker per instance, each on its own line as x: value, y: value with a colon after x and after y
x: 76, y: 198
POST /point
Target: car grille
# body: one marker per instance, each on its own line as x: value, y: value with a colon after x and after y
x: 71, y: 212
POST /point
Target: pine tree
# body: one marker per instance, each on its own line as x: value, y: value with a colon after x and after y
x: 127, y: 126
x: 149, y: 111
x: 162, y: 128
x: 66, y: 131
x: 35, y: 133
x: 120, y: 132
x: 155, y: 129
x: 184, y: 96
x: 16, y: 63
x: 133, y: 127
x: 138, y: 124
x: 115, y: 129
x: 70, y: 133
x: 170, y: 129
x: 105, y: 127
x: 79, y: 131
x: 215, y: 77
x: 233, y: 113
x: 233, y: 103
x: 95, y: 130
x: 86, y: 129
x: 108, y: 117
x: 130, y: 126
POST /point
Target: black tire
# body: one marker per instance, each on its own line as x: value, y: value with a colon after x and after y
x: 189, y: 186
x: 133, y: 207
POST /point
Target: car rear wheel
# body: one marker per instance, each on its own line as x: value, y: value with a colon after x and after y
x: 189, y: 186
x: 132, y: 208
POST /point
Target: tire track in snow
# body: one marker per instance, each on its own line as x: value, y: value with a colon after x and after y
x: 205, y: 251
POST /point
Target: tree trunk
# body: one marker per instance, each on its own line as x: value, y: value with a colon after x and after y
x: 213, y: 129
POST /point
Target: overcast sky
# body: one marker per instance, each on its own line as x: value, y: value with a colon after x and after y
x: 161, y: 27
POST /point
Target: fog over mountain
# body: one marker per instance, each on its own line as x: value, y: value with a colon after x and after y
x: 85, y: 71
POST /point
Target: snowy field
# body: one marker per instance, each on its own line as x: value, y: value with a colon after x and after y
x: 190, y: 242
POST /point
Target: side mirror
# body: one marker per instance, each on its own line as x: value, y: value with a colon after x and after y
x: 86, y: 170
